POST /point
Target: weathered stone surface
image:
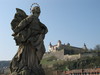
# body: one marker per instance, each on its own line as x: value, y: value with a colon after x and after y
x: 29, y: 34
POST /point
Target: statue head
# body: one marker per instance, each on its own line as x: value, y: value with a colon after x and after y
x: 36, y: 11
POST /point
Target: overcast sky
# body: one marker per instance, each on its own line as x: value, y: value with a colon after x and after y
x: 71, y: 21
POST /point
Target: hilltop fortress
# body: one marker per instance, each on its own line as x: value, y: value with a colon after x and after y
x: 67, y: 52
x: 59, y: 46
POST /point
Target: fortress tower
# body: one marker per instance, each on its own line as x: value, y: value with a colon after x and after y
x: 59, y: 44
x: 85, y: 47
x: 53, y: 48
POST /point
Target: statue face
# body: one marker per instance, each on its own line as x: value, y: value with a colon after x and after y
x: 36, y: 11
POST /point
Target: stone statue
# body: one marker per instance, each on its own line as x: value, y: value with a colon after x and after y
x: 29, y: 34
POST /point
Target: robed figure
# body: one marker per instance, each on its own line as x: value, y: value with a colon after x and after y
x: 29, y: 34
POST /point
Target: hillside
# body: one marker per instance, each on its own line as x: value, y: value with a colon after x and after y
x: 4, y: 64
x: 53, y: 63
x: 4, y: 67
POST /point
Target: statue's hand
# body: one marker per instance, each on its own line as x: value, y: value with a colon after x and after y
x: 14, y: 34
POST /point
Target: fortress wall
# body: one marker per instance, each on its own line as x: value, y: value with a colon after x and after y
x: 60, y: 55
x: 57, y: 54
x: 72, y: 57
